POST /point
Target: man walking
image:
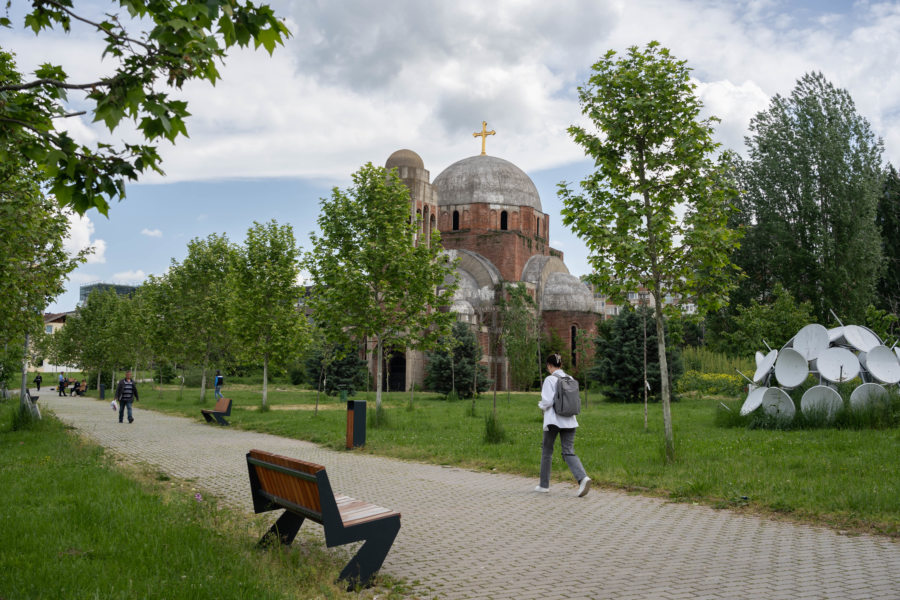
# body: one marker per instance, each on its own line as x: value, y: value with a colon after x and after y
x: 126, y: 393
x: 38, y: 379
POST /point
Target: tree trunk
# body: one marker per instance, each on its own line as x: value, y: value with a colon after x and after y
x: 99, y: 374
x: 319, y: 388
x: 265, y: 397
x: 646, y: 391
x: 378, y: 354
x: 23, y: 397
x: 664, y: 379
x: 203, y: 379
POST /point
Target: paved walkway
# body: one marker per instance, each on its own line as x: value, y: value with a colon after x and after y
x: 488, y: 536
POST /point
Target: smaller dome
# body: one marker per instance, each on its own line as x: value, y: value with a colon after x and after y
x: 404, y: 158
x: 568, y: 293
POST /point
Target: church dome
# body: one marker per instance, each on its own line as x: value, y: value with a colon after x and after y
x: 404, y: 158
x: 566, y: 292
x: 488, y: 180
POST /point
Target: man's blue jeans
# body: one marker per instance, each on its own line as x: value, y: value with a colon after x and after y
x: 219, y: 392
x: 122, y: 406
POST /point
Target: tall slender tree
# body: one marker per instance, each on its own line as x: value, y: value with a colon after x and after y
x: 200, y: 284
x: 653, y: 154
x: 370, y: 279
x: 263, y: 309
x: 810, y: 188
x: 888, y: 221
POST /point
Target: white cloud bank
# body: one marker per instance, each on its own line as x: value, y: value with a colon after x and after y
x: 151, y: 232
x: 359, y: 80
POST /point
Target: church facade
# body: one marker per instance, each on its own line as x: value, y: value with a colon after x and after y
x: 490, y: 218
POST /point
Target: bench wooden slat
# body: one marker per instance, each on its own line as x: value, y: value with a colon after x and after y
x: 357, y: 511
x: 302, y: 492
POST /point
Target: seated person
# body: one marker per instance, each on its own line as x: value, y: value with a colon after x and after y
x: 83, y: 387
x: 76, y: 389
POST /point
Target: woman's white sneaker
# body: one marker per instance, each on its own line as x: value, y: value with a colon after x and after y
x: 542, y: 490
x: 584, y: 486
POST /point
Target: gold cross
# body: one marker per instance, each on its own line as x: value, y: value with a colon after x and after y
x: 483, y: 134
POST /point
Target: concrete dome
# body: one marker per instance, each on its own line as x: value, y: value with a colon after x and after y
x: 566, y: 292
x: 404, y: 158
x: 488, y: 180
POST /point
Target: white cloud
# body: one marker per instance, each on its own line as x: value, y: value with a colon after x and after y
x: 359, y: 80
x: 129, y: 277
x: 151, y: 232
x: 78, y: 238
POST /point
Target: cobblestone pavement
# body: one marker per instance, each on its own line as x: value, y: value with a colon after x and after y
x: 478, y: 535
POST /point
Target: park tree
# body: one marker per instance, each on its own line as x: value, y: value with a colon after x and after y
x: 520, y: 334
x: 89, y: 341
x: 200, y: 291
x: 888, y: 221
x: 370, y: 279
x: 180, y: 42
x: 773, y: 322
x: 652, y: 155
x: 263, y: 310
x: 619, y: 366
x: 453, y: 364
x: 810, y: 187
x: 33, y: 261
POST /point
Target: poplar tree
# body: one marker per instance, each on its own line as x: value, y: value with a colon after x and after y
x: 809, y: 194
x: 263, y: 309
x: 652, y: 155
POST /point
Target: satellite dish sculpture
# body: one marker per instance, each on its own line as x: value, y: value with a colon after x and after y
x: 835, y: 356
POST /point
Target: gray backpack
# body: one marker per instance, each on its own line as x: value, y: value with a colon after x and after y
x: 567, y: 402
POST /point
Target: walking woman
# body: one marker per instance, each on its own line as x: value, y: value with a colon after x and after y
x: 564, y: 427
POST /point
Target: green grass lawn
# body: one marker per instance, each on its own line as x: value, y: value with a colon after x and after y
x: 844, y: 478
x: 76, y: 526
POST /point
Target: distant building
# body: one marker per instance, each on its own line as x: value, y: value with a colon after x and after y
x: 122, y: 290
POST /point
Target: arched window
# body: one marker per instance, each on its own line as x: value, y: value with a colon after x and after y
x: 455, y: 220
x: 537, y: 227
x: 574, y: 344
x: 503, y: 221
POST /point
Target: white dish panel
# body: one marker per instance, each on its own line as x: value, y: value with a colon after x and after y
x: 791, y: 368
x: 811, y: 341
x: 883, y: 365
x: 753, y: 401
x: 837, y: 365
x: 765, y: 367
x: 866, y: 394
x: 821, y: 398
x: 777, y: 403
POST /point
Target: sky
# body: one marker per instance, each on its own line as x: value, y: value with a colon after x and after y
x: 359, y: 80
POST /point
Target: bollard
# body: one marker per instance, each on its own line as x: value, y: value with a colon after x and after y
x: 356, y: 423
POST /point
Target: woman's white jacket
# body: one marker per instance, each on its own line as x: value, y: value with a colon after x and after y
x: 548, y: 392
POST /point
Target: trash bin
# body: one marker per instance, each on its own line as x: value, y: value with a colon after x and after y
x: 356, y: 423
x: 102, y: 391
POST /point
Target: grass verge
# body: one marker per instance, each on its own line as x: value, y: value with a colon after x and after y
x: 75, y: 525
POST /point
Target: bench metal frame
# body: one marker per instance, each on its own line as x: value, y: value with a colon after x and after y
x: 378, y: 533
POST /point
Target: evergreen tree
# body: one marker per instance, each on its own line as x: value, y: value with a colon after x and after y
x: 888, y: 220
x: 810, y: 189
x: 340, y: 369
x: 455, y: 364
x: 619, y: 358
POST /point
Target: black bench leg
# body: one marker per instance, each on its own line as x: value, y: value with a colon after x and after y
x: 284, y: 530
x: 362, y: 567
x: 207, y: 417
x: 220, y: 419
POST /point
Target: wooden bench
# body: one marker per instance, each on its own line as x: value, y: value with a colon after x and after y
x: 221, y: 410
x: 303, y: 490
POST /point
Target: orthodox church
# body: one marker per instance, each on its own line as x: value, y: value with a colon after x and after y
x: 489, y: 215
